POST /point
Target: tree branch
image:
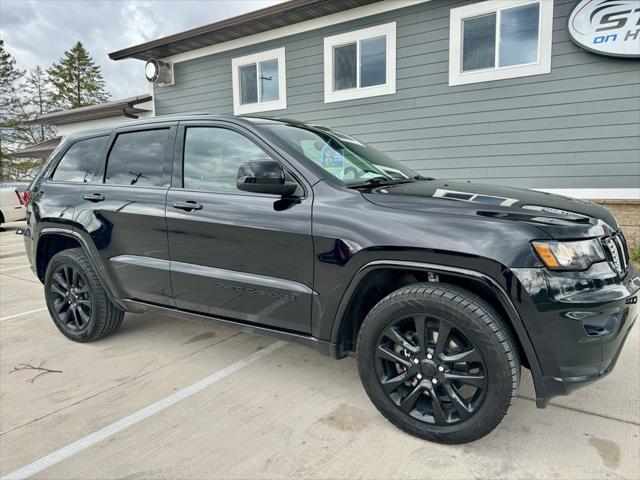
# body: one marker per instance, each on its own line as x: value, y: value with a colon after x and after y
x: 40, y: 369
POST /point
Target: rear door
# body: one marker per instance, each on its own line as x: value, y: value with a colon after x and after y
x: 235, y: 254
x: 124, y: 214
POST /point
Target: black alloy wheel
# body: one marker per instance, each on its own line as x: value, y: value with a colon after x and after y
x: 77, y: 301
x: 72, y: 298
x: 430, y: 369
x: 438, y: 362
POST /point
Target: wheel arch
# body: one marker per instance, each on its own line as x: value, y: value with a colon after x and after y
x: 54, y: 240
x: 354, y: 304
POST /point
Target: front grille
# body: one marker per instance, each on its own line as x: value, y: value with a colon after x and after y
x: 616, y: 248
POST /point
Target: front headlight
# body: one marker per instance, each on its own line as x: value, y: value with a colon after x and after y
x: 569, y: 255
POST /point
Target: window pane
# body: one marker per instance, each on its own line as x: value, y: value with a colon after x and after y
x: 344, y: 67
x: 519, y: 35
x: 138, y: 158
x: 248, y: 84
x: 80, y: 161
x: 479, y: 42
x: 269, y: 80
x: 373, y: 61
x: 212, y: 157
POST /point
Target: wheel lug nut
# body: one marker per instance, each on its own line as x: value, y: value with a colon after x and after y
x: 429, y: 356
x: 434, y: 380
x: 441, y: 368
x: 416, y: 361
x: 419, y: 376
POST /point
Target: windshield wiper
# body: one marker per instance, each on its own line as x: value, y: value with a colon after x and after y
x: 380, y: 181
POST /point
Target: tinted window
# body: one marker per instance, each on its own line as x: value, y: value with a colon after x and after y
x: 78, y: 164
x: 212, y: 157
x: 137, y: 158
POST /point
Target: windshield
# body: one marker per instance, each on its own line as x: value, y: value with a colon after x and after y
x: 340, y: 155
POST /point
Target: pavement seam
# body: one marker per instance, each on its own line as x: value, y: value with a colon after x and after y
x: 586, y: 412
x: 20, y: 278
x: 78, y: 402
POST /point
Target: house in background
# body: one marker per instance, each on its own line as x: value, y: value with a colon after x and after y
x: 69, y: 121
x: 486, y: 91
x: 425, y: 82
x: 489, y: 91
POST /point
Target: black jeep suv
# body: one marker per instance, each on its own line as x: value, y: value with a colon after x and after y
x: 442, y: 289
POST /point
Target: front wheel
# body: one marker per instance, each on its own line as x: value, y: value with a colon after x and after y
x: 438, y: 362
x: 76, y: 299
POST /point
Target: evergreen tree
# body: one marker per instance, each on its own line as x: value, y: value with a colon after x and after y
x: 77, y: 81
x: 9, y: 106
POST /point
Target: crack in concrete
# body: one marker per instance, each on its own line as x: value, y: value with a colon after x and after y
x: 586, y: 412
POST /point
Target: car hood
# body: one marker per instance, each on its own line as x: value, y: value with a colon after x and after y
x: 559, y: 216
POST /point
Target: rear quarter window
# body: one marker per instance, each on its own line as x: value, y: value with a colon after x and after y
x: 80, y: 161
x: 138, y: 158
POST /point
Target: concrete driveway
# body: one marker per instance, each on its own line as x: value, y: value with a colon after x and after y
x: 168, y: 398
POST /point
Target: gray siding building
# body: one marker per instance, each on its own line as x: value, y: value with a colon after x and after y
x: 567, y: 121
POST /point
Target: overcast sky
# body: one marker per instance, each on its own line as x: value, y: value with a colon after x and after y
x: 37, y: 32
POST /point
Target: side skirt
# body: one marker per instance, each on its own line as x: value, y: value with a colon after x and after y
x: 323, y: 347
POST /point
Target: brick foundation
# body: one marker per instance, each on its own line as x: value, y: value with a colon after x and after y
x: 628, y: 214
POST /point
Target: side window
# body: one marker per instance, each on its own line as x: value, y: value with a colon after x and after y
x: 137, y: 158
x: 79, y: 162
x: 213, y: 155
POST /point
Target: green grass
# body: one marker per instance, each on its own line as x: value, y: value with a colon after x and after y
x: 635, y: 254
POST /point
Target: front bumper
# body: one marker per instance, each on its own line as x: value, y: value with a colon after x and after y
x: 578, y: 323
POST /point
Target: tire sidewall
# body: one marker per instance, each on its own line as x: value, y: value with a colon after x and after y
x: 498, y: 370
x: 63, y: 258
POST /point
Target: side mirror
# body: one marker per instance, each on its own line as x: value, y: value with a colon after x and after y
x: 266, y: 176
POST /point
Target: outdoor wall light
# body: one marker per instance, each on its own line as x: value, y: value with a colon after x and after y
x: 158, y: 72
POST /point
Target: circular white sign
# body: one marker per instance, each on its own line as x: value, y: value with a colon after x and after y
x: 607, y: 27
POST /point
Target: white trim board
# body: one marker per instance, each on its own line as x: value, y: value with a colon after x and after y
x: 596, y: 193
x: 316, y: 23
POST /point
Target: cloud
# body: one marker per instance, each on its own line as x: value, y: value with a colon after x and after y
x: 37, y: 32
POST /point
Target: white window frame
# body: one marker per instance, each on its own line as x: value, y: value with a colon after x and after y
x: 356, y: 36
x: 545, y: 33
x: 255, y: 58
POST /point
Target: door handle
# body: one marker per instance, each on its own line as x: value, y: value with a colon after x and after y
x: 188, y: 206
x: 93, y: 197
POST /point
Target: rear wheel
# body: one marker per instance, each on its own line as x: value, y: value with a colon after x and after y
x: 438, y: 362
x: 77, y: 302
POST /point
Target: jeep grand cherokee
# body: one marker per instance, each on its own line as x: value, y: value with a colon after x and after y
x: 442, y: 289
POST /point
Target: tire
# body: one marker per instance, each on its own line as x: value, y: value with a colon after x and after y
x: 81, y: 310
x: 477, y: 357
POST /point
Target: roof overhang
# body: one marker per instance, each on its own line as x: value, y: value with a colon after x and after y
x: 39, y: 150
x: 277, y: 16
x: 125, y: 108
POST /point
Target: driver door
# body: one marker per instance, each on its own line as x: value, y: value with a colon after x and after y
x: 235, y: 254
